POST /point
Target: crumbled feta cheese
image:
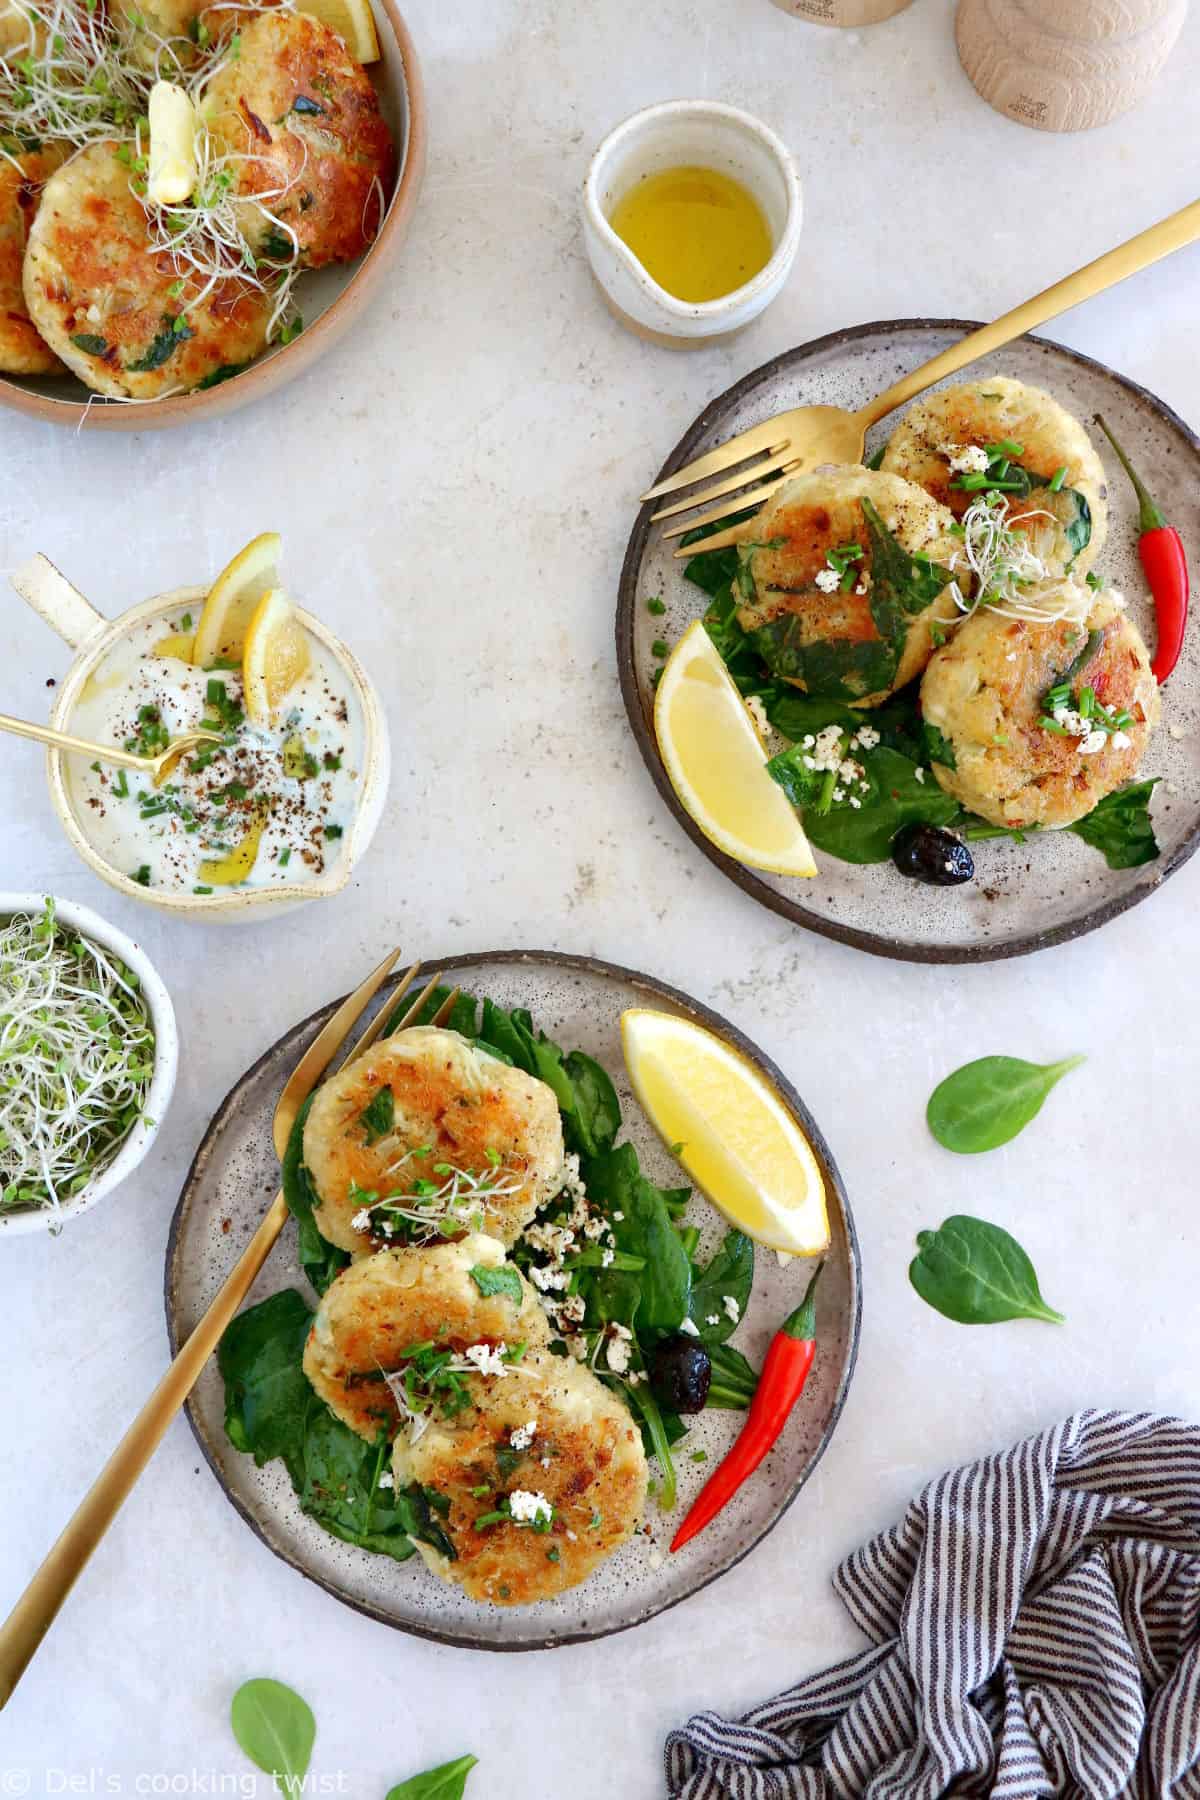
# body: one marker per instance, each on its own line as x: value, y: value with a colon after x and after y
x: 1121, y: 740
x: 861, y: 589
x: 362, y: 1219
x: 865, y: 738
x: 1094, y: 741
x: 689, y: 1327
x: 965, y: 458
x: 485, y: 1359
x: 386, y: 1480
x: 855, y: 802
x: 828, y: 580
x: 732, y: 1309
x: 758, y: 713
x: 920, y: 775
x: 548, y: 1279
x: 573, y: 1309
x: 523, y: 1436
x: 529, y: 1509
x: 618, y: 1215
x: 606, y: 1258
x: 712, y: 1319
x: 617, y: 1355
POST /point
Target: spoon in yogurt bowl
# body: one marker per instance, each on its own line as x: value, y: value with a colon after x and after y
x: 156, y: 767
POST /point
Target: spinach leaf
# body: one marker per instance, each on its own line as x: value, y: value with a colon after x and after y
x: 379, y: 1117
x: 731, y: 1271
x: 504, y: 1280
x: 172, y: 333
x: 1075, y: 516
x: 846, y: 668
x: 1120, y: 826
x: 462, y: 1018
x: 276, y: 1729
x: 733, y: 1378
x: 267, y: 1394
x: 987, y: 1102
x: 977, y: 1274
x: 659, y: 1294
x: 938, y: 747
x: 657, y: 1438
x: 901, y: 583
x: 895, y: 796
x: 320, y: 1260
x: 89, y: 342
x: 447, y: 1782
x: 733, y: 645
x: 223, y: 372
x: 594, y: 1120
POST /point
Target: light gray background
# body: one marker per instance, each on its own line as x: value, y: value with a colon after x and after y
x: 455, y: 486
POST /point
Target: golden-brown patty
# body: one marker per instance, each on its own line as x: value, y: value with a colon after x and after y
x: 302, y: 112
x: 22, y: 351
x: 384, y: 1305
x: 571, y: 1490
x: 110, y: 305
x: 465, y: 1139
x: 985, y: 692
x: 848, y: 642
x: 949, y: 425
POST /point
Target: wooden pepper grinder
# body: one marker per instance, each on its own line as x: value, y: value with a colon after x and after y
x: 1069, y: 66
x: 848, y: 13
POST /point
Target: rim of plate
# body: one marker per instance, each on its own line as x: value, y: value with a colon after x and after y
x: 287, y: 361
x: 747, y: 879
x: 714, y: 1021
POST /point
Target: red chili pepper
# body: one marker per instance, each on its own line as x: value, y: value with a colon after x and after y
x: 1161, y: 550
x: 780, y: 1385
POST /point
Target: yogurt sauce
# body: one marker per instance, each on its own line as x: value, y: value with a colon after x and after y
x: 268, y: 807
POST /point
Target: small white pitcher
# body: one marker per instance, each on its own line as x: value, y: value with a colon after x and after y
x: 682, y: 132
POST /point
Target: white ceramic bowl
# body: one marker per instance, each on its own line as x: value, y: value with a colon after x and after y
x: 162, y: 1083
x: 92, y: 635
x: 717, y: 137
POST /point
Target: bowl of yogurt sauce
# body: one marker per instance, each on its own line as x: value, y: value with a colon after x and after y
x: 272, y: 817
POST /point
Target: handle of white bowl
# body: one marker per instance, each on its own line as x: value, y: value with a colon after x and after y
x: 53, y: 598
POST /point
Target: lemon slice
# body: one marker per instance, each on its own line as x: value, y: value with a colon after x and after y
x: 228, y: 870
x: 717, y: 763
x: 353, y: 22
x: 276, y: 656
x: 232, y: 599
x: 179, y: 644
x: 729, y: 1129
x: 172, y: 172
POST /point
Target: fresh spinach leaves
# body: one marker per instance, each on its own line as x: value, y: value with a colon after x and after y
x: 977, y: 1274
x: 656, y: 1299
x: 1119, y: 826
x: 320, y: 1260
x: 447, y: 1782
x: 987, y: 1102
x: 730, y: 1274
x: 895, y: 795
x: 276, y: 1729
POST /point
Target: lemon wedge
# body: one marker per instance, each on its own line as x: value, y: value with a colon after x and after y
x: 228, y: 870
x: 172, y: 173
x: 729, y: 1129
x: 179, y: 644
x: 233, y: 598
x: 717, y: 763
x: 275, y: 658
x: 353, y: 22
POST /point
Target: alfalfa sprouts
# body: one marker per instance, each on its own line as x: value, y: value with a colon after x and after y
x: 76, y: 1060
x: 1008, y: 576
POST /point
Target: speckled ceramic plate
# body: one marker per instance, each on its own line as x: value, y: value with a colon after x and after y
x: 578, y: 1002
x: 1024, y: 897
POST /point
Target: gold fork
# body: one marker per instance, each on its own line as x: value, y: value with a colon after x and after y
x: 36, y: 1610
x: 810, y: 435
x: 156, y: 767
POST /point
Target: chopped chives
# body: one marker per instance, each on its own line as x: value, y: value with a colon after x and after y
x: 659, y: 648
x: 657, y: 606
x: 1058, y: 477
x: 1005, y: 447
x: 202, y: 890
x: 142, y: 875
x: 121, y: 784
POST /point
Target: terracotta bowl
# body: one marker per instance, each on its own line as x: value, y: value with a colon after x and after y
x: 331, y: 299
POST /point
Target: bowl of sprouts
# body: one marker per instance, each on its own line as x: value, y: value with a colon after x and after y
x: 196, y: 196
x: 88, y: 1055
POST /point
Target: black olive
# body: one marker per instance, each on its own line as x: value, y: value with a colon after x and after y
x: 680, y: 1374
x: 930, y: 853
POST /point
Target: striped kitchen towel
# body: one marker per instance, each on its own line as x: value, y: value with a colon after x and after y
x: 1035, y: 1628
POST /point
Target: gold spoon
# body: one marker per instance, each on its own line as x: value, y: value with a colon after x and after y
x: 157, y: 767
